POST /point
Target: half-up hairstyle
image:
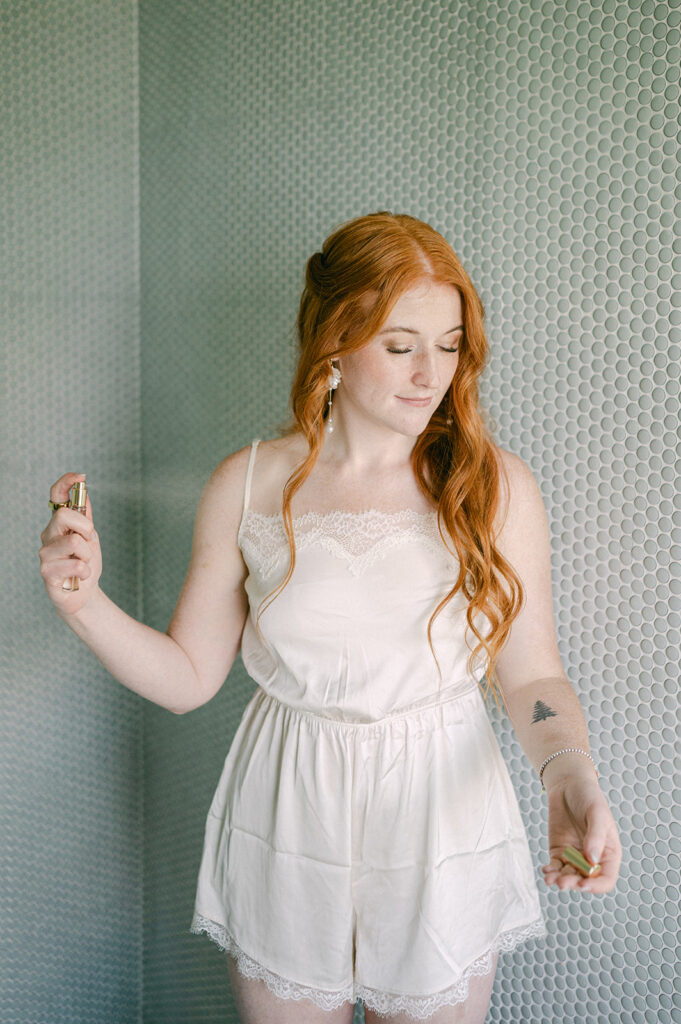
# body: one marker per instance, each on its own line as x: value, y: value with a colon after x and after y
x: 350, y: 288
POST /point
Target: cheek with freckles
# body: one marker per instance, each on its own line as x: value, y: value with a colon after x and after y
x: 373, y: 373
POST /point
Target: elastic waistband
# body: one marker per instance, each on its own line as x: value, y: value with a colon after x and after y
x: 425, y: 713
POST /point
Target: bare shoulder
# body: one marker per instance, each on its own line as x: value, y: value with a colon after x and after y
x: 233, y: 464
x: 515, y: 472
x: 521, y: 505
x: 289, y: 449
x: 221, y: 502
x: 229, y: 476
x: 275, y: 462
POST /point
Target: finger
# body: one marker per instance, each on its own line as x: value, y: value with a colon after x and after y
x: 57, y: 566
x: 58, y: 536
x: 59, y: 491
x: 72, y: 546
x: 554, y: 866
x: 564, y: 878
x: 605, y: 880
x: 67, y: 520
x: 64, y: 569
x: 65, y: 546
x: 555, y: 870
x: 568, y: 879
x: 598, y: 884
x: 596, y: 837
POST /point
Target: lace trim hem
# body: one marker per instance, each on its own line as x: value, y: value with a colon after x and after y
x: 383, y: 1003
x: 250, y: 968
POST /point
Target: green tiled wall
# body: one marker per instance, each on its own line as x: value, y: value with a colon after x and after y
x: 70, y: 735
x: 542, y: 139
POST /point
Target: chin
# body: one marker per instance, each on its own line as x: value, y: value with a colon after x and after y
x: 413, y: 422
x: 411, y: 429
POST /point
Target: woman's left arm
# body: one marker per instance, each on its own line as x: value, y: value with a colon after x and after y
x: 543, y: 707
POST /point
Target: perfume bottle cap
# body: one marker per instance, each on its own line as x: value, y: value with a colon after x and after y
x: 79, y: 495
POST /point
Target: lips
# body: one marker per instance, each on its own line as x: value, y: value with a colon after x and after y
x: 419, y: 403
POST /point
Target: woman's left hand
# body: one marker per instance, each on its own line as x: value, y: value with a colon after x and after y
x: 579, y: 816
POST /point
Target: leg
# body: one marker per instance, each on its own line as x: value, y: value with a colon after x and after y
x: 257, y: 1005
x: 473, y: 1010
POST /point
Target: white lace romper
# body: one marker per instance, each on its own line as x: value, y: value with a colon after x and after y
x: 364, y: 840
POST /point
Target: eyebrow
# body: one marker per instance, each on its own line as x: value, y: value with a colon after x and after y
x: 411, y: 330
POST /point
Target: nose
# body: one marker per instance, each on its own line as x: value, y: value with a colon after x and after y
x: 425, y: 373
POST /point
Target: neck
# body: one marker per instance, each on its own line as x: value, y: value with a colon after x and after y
x: 365, y: 446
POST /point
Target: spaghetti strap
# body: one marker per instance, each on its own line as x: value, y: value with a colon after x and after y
x: 249, y: 475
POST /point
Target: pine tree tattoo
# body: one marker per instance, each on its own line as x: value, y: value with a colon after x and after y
x: 542, y: 711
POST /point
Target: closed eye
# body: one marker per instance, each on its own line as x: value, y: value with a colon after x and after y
x: 403, y: 351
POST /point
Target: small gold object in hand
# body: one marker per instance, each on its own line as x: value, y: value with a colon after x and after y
x: 579, y: 861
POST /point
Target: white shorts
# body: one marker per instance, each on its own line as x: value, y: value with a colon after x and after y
x: 383, y: 861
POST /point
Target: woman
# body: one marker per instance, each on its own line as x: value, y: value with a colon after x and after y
x: 373, y: 564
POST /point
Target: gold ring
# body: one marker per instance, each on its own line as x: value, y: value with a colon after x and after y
x: 54, y: 505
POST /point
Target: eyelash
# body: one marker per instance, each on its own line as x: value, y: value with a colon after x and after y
x: 403, y: 351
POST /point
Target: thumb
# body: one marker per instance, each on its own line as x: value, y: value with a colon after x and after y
x: 593, y: 845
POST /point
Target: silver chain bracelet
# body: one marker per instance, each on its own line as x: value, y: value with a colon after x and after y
x: 565, y: 750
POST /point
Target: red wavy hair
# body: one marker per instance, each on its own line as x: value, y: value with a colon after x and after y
x: 350, y: 288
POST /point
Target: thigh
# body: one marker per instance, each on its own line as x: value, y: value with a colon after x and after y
x: 473, y: 1010
x: 257, y: 1005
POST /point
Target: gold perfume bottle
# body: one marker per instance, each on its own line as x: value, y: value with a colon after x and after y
x: 78, y: 502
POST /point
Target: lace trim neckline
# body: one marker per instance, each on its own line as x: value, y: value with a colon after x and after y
x: 363, y: 514
x: 358, y: 538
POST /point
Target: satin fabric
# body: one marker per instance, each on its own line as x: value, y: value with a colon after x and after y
x: 364, y: 839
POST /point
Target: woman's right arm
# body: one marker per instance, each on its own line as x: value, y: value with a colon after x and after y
x: 184, y: 667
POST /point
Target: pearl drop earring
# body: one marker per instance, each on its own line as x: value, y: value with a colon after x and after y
x: 333, y: 380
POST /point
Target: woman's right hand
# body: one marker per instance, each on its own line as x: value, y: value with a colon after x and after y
x: 70, y: 548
